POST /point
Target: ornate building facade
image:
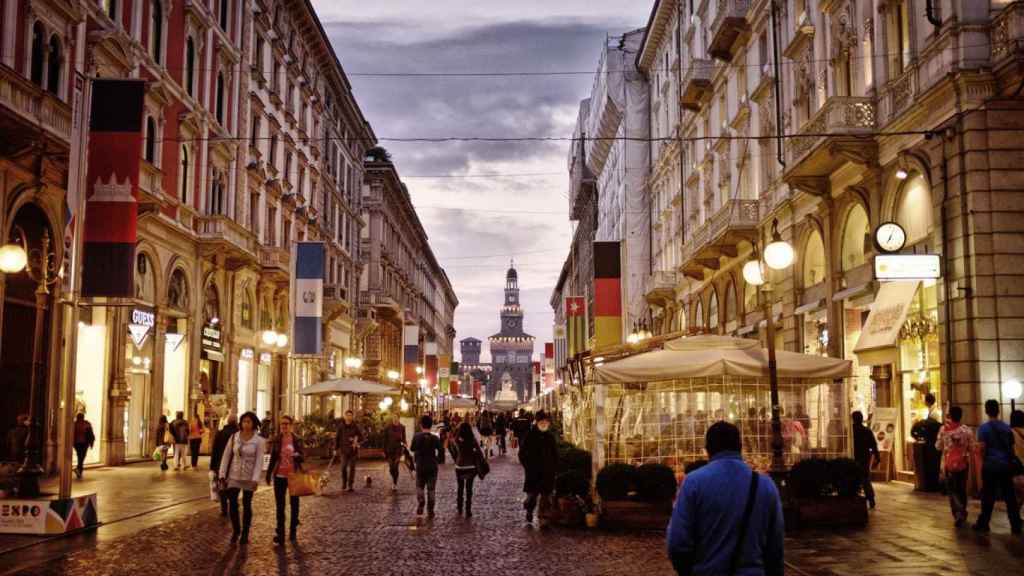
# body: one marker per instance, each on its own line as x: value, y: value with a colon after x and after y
x: 511, y: 348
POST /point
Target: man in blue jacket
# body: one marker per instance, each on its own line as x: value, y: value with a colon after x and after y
x: 704, y: 533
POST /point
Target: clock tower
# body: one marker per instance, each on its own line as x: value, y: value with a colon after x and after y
x: 511, y: 348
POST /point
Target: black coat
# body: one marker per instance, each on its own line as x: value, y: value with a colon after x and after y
x: 220, y: 442
x: 539, y: 455
x: 275, y: 455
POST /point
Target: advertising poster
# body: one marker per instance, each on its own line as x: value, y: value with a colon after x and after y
x: 883, y: 426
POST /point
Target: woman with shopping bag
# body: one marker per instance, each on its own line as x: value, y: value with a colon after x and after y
x: 285, y: 472
x: 240, y: 469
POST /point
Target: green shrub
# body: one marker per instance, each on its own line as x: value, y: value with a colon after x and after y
x: 845, y: 476
x: 615, y: 481
x: 572, y: 483
x: 810, y: 478
x: 571, y: 458
x: 655, y: 482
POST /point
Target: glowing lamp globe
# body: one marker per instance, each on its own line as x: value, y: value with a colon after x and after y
x: 778, y: 255
x: 1012, y: 389
x: 282, y: 340
x: 13, y: 258
x: 403, y: 405
x: 393, y: 375
x: 753, y: 273
x: 269, y: 337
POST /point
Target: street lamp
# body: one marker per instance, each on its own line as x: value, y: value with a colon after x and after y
x: 44, y: 270
x: 393, y: 375
x: 778, y: 255
x: 282, y: 340
x: 1012, y: 389
x: 269, y: 337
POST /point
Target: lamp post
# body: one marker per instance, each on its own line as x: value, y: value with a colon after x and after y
x: 42, y: 267
x: 778, y: 255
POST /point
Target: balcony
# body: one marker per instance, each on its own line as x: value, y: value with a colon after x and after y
x: 735, y: 221
x: 276, y: 263
x: 151, y: 195
x: 223, y: 238
x: 729, y: 25
x: 661, y: 288
x: 696, y: 84
x: 838, y: 133
x: 336, y: 301
x: 37, y: 110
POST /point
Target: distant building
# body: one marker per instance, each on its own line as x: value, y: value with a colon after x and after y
x: 511, y: 348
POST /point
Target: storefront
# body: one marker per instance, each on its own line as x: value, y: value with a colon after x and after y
x: 175, y: 394
x: 247, y: 382
x: 91, y: 371
x: 139, y: 362
x: 264, y: 383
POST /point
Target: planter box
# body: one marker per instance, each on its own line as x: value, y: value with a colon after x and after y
x: 829, y: 512
x: 634, y: 515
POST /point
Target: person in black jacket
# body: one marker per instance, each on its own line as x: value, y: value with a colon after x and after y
x: 429, y: 452
x: 864, y: 448
x: 539, y: 455
x: 286, y: 456
x: 467, y: 457
x: 220, y: 442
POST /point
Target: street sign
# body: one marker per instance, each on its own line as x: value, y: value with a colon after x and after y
x: 907, y: 267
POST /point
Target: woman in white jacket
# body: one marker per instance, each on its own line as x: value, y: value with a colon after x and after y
x: 240, y: 470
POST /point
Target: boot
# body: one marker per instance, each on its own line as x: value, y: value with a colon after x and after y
x: 279, y: 537
x: 469, y: 508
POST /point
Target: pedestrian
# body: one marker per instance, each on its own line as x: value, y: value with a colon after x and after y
x: 286, y: 456
x: 727, y: 518
x: 267, y: 426
x: 955, y: 442
x: 865, y: 447
x: 428, y: 453
x: 520, y: 426
x: 163, y: 439
x: 220, y: 443
x: 394, y: 447
x: 926, y: 431
x: 996, y: 439
x: 180, y: 431
x: 485, y: 424
x: 467, y: 456
x: 500, y: 431
x: 195, y: 439
x: 539, y: 455
x: 346, y: 444
x: 240, y: 469
x: 1017, y: 425
x: 84, y: 439
x: 16, y: 438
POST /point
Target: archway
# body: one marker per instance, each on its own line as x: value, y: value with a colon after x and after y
x: 855, y: 233
x: 813, y: 260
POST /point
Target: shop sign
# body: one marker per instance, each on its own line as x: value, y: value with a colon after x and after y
x: 174, y: 340
x: 142, y: 323
x: 907, y: 266
x: 248, y: 353
x: 211, y: 339
x: 266, y: 358
x: 51, y: 516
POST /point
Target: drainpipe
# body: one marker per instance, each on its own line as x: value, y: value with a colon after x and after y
x: 929, y: 11
x: 679, y: 123
x: 777, y: 50
x: 946, y: 283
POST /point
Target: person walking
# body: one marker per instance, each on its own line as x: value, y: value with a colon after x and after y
x: 179, y: 431
x: 84, y: 439
x: 346, y: 444
x: 727, y: 518
x: 394, y: 447
x: 520, y: 426
x: 195, y: 439
x: 485, y: 424
x: 220, y: 443
x: 286, y: 456
x: 996, y: 439
x: 163, y: 439
x: 539, y: 454
x: 467, y: 454
x: 955, y: 442
x: 865, y: 447
x: 240, y: 469
x: 267, y: 425
x: 500, y: 431
x: 428, y: 453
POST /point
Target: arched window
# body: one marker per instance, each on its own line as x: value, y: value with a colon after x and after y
x: 184, y: 174
x: 145, y: 282
x: 730, y: 302
x: 110, y: 9
x: 224, y: 9
x: 38, y: 54
x: 914, y: 209
x: 266, y: 320
x: 150, y: 147
x: 177, y: 290
x: 220, y: 98
x: 216, y: 201
x: 53, y: 66
x: 713, y: 311
x: 248, y: 303
x: 190, y: 66
x: 211, y: 305
x: 156, y: 31
x: 855, y: 234
x: 698, y: 315
x: 814, y: 260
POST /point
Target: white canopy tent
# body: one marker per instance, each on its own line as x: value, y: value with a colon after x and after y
x: 705, y: 356
x: 348, y: 386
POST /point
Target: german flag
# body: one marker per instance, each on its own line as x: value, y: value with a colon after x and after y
x: 575, y: 325
x: 607, y: 295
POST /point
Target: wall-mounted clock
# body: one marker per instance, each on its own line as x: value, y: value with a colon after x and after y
x: 890, y: 237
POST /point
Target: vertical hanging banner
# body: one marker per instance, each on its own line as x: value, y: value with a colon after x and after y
x: 430, y: 364
x: 575, y: 325
x: 549, y: 365
x: 444, y: 372
x: 411, y: 357
x: 607, y: 295
x: 112, y: 188
x: 307, y: 333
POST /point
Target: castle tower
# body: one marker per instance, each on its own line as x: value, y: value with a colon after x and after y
x: 511, y: 348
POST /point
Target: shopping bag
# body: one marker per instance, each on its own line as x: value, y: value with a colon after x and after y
x: 302, y: 484
x: 168, y: 438
x: 159, y: 454
x: 409, y: 462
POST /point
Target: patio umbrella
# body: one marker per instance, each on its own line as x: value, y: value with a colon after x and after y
x: 347, y: 386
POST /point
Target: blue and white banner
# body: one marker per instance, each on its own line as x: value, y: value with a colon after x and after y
x: 309, y: 297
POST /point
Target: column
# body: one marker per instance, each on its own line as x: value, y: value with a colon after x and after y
x: 113, y: 435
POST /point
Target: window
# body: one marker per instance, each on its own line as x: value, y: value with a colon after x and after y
x: 899, y: 38
x: 220, y: 98
x: 156, y: 30
x: 271, y: 226
x: 110, y: 8
x: 814, y: 260
x: 184, y: 175
x: 38, y: 54
x: 150, y: 145
x: 276, y: 78
x: 224, y: 9
x: 190, y: 66
x: 215, y: 204
x: 259, y: 54
x: 713, y: 311
x: 288, y: 166
x: 248, y: 303
x: 286, y: 233
x: 54, y: 66
x: 254, y: 213
x: 255, y: 132
x: 273, y: 150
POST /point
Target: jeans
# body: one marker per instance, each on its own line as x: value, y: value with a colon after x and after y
x: 348, y: 469
x: 465, y: 480
x: 501, y: 442
x: 956, y: 487
x: 180, y: 450
x: 193, y: 450
x: 1001, y: 480
x: 427, y: 481
x: 393, y: 466
x: 246, y: 510
x: 280, y: 491
x: 80, y: 450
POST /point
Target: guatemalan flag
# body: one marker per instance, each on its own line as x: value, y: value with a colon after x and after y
x: 309, y: 297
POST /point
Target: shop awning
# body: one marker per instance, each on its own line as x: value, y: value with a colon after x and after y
x: 810, y: 307
x: 853, y: 291
x: 880, y: 335
x: 705, y: 356
x: 347, y: 386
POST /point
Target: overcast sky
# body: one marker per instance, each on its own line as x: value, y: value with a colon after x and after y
x: 476, y: 225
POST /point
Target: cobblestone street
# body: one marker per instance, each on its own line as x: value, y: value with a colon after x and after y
x: 375, y: 531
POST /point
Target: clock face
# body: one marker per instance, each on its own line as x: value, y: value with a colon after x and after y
x: 890, y: 237
x: 510, y: 323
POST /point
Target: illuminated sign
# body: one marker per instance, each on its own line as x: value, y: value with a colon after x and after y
x: 907, y: 267
x: 248, y: 354
x: 211, y: 339
x: 142, y: 322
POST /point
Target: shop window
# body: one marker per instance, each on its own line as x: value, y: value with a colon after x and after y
x: 855, y: 234
x: 177, y: 290
x: 713, y: 311
x: 814, y: 260
x: 914, y: 209
x: 919, y: 368
x: 38, y: 54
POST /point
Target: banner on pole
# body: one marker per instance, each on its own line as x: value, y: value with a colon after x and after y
x: 307, y: 334
x: 411, y: 357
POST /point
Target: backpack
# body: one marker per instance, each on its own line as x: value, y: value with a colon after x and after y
x: 956, y: 453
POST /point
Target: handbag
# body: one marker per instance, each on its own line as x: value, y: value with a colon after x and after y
x: 302, y: 484
x: 483, y: 467
x: 407, y: 457
x: 168, y: 437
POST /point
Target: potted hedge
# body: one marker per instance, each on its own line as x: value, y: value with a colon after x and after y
x: 572, y: 486
x: 636, y: 498
x: 826, y: 493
